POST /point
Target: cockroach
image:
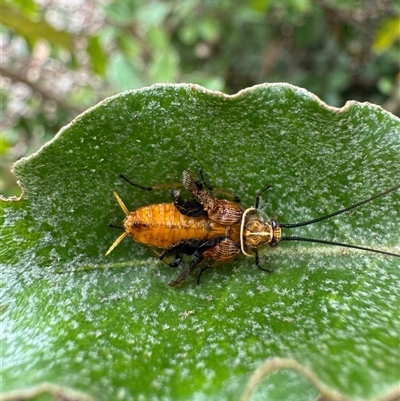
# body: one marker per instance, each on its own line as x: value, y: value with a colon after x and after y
x: 212, y: 229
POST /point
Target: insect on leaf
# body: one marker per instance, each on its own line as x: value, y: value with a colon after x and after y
x: 111, y: 328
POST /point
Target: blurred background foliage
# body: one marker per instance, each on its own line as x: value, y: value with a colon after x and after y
x: 59, y: 57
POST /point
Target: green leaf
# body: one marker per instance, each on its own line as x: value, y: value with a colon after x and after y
x: 387, y: 35
x: 29, y: 7
x: 112, y: 328
x: 97, y: 56
x: 33, y: 30
x: 123, y: 73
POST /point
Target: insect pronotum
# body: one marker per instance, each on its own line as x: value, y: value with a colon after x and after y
x: 211, y: 229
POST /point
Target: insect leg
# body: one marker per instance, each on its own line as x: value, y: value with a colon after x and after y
x: 219, y: 248
x: 258, y: 196
x: 181, y: 278
x: 200, y: 184
x: 135, y: 185
x: 187, y: 247
x: 191, y: 208
x: 177, y: 260
x: 201, y: 272
x: 219, y: 210
x: 153, y: 187
x: 198, y: 258
x: 257, y: 260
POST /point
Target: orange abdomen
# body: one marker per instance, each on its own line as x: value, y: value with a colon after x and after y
x: 162, y: 225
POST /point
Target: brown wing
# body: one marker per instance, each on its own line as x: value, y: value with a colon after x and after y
x: 223, y: 251
x: 221, y: 211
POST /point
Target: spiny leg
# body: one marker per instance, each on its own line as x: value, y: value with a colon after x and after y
x: 200, y: 184
x: 220, y: 248
x: 191, y: 207
x: 181, y: 278
x: 257, y: 260
x: 154, y: 187
x: 177, y: 260
x: 219, y: 210
x: 186, y: 247
x: 201, y: 272
x: 198, y: 258
x: 258, y: 196
x: 135, y: 185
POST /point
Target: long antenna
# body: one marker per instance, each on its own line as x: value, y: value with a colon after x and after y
x: 305, y: 223
x: 321, y: 241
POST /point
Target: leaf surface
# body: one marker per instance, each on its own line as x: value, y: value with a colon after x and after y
x: 113, y: 329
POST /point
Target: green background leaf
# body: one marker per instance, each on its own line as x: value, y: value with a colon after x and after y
x: 112, y: 328
x: 33, y: 29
